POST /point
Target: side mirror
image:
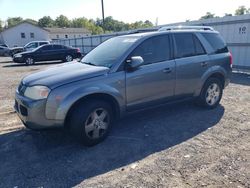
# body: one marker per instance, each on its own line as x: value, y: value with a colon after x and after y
x: 134, y: 62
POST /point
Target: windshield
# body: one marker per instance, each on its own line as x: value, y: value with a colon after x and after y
x: 109, y: 52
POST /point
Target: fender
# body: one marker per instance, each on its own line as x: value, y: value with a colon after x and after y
x: 60, y: 101
x: 212, y: 70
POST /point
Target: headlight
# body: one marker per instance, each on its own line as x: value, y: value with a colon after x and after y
x: 18, y: 55
x: 37, y: 92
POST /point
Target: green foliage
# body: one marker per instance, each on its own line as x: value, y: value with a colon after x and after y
x: 62, y: 21
x: 228, y: 14
x: 112, y: 25
x: 94, y: 26
x: 14, y: 21
x: 46, y: 21
x: 242, y: 10
x: 31, y: 21
x: 207, y: 16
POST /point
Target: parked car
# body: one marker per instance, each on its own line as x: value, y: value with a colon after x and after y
x: 28, y: 47
x: 4, y: 51
x: 48, y: 52
x: 34, y: 44
x: 126, y: 74
x: 4, y: 45
x: 15, y: 50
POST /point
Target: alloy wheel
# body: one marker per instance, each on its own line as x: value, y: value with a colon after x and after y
x: 97, y: 123
x: 213, y: 94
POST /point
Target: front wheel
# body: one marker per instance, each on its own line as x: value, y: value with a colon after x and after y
x: 211, y: 93
x: 91, y: 121
x: 29, y: 61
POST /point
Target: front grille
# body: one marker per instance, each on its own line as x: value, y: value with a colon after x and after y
x: 21, y: 88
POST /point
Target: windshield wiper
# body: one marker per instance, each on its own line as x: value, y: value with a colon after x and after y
x: 89, y: 63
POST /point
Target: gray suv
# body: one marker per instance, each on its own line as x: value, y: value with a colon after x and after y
x: 126, y: 74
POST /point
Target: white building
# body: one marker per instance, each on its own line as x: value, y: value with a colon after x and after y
x: 22, y: 33
x: 65, y: 33
x: 25, y: 32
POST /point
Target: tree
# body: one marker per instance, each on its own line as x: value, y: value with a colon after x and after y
x: 1, y: 25
x: 226, y: 14
x: 31, y: 21
x: 88, y: 24
x: 14, y: 21
x: 207, y: 16
x: 241, y: 10
x: 62, y: 21
x: 46, y: 21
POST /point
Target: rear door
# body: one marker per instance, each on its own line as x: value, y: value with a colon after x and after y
x: 191, y: 63
x: 154, y: 81
x: 45, y: 53
x: 58, y: 52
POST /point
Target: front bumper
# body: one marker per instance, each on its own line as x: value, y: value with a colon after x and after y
x: 32, y: 113
x: 18, y: 59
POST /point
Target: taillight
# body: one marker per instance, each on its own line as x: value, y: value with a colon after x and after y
x: 78, y: 50
x: 231, y: 60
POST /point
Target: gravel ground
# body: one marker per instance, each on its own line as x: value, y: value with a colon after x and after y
x: 174, y: 146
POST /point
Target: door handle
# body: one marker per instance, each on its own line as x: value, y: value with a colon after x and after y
x: 167, y: 70
x: 204, y: 64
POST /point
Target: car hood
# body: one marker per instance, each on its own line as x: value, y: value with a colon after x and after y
x: 64, y: 74
x: 17, y: 48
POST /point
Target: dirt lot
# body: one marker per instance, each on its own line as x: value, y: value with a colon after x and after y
x: 174, y: 146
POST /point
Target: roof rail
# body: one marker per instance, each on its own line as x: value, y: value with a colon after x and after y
x: 180, y: 27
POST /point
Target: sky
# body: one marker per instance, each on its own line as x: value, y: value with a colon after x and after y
x: 129, y: 11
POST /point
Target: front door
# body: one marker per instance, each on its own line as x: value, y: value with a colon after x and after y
x: 153, y: 82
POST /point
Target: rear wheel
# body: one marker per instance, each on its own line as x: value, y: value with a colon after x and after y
x: 91, y: 121
x: 68, y: 58
x: 211, y: 93
x: 29, y: 61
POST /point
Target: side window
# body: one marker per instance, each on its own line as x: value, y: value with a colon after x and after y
x: 184, y: 44
x: 155, y: 49
x: 42, y: 43
x: 32, y: 35
x: 57, y: 47
x: 47, y: 47
x: 216, y: 42
x: 199, y: 49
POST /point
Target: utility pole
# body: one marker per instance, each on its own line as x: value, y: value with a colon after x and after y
x: 102, y: 13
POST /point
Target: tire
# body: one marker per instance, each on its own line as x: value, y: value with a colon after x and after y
x: 29, y: 61
x: 68, y: 58
x: 91, y: 121
x: 211, y: 93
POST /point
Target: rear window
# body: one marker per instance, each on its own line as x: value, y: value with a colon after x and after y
x: 216, y: 42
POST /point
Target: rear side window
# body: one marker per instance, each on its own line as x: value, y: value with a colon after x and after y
x: 42, y: 43
x: 216, y: 42
x: 199, y: 49
x: 155, y: 49
x: 47, y: 47
x: 184, y: 45
x: 57, y: 47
